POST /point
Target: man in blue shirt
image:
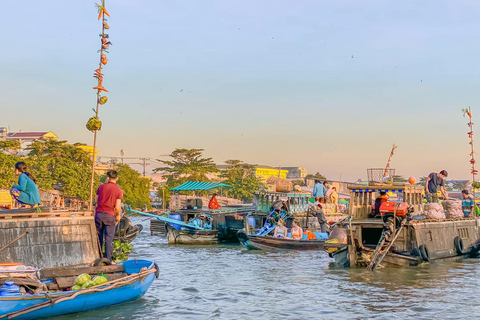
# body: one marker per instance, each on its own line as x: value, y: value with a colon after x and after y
x: 319, y: 191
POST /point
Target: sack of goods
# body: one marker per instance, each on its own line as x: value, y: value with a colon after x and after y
x: 453, y: 209
x: 433, y: 211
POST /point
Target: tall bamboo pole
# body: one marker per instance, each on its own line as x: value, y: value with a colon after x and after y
x: 99, y: 88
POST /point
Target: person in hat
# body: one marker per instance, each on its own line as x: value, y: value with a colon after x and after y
x: 435, y: 180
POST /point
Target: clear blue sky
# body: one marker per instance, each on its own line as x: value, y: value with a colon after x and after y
x: 329, y: 85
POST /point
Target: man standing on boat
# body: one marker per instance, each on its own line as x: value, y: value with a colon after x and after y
x: 435, y: 180
x: 319, y: 191
x: 107, y: 213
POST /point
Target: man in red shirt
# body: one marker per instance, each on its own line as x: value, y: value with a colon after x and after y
x: 109, y: 201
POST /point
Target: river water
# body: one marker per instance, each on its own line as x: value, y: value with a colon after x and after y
x: 227, y: 282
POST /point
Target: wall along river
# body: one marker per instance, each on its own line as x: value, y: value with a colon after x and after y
x: 227, y: 282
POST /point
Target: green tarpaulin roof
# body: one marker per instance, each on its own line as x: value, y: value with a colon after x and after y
x: 196, y: 185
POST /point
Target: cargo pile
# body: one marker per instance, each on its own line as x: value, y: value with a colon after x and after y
x: 453, y: 209
x: 84, y: 281
x: 434, y: 211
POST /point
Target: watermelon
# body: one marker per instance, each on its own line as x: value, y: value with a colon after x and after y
x: 99, y: 280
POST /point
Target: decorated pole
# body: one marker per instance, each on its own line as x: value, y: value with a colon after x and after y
x: 385, y: 172
x: 468, y: 112
x: 94, y: 124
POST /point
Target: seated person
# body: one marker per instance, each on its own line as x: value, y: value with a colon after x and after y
x: 280, y: 230
x: 297, y: 232
x: 26, y: 192
x: 213, y: 204
x: 378, y: 202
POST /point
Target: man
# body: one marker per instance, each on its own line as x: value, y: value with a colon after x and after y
x: 107, y: 213
x: 319, y: 191
x: 328, y: 192
x: 434, y: 181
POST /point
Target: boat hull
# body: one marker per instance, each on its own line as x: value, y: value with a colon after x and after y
x: 253, y: 242
x: 197, y: 237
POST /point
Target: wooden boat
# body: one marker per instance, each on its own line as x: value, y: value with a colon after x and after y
x: 255, y: 242
x: 191, y: 236
x: 127, y: 281
x: 411, y: 240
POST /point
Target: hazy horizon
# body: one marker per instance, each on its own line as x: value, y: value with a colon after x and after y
x: 325, y: 85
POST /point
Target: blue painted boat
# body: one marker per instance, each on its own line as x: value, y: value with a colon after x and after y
x: 139, y: 275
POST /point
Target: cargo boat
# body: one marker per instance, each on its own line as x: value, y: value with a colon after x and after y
x: 403, y: 238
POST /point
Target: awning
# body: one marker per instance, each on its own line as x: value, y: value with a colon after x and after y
x: 196, y: 185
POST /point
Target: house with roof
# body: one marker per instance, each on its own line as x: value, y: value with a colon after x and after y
x: 26, y: 138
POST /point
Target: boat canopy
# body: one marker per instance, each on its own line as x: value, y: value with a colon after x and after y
x: 197, y: 185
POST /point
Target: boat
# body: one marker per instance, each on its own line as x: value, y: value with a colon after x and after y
x: 402, y: 235
x: 269, y: 243
x: 190, y: 236
x: 125, y: 232
x: 127, y: 281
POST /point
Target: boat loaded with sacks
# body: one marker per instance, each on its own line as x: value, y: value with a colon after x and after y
x: 407, y: 233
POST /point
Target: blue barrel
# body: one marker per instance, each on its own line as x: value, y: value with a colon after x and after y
x: 251, y: 221
x: 9, y: 289
x: 175, y: 217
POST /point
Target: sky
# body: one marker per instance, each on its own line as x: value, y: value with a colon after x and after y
x: 326, y: 85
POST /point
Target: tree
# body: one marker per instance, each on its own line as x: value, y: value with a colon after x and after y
x: 188, y: 163
x: 136, y: 188
x: 460, y: 184
x: 7, y: 170
x: 243, y: 179
x: 57, y: 163
x: 317, y: 175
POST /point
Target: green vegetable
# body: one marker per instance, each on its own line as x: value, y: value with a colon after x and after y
x: 99, y: 280
x: 88, y: 284
x: 81, y: 279
x: 76, y: 287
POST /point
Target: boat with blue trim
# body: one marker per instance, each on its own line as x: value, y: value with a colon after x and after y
x: 127, y: 281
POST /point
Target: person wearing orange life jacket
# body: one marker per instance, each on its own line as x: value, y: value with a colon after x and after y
x: 378, y: 202
x: 213, y: 204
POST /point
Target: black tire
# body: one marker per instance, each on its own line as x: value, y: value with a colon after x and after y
x: 101, y: 262
x: 242, y: 236
x: 424, y: 254
x: 458, y: 244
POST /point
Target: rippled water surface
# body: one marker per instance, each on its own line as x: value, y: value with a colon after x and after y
x: 227, y: 282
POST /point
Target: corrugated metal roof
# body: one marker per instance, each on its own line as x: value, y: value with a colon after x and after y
x: 197, y: 185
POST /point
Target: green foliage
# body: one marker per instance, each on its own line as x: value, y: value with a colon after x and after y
x: 317, y: 175
x: 242, y: 177
x: 422, y: 180
x: 136, y: 188
x: 460, y: 185
x: 397, y: 178
x: 7, y: 145
x: 188, y: 164
x: 121, y: 250
x: 7, y: 170
x: 64, y: 165
x: 300, y: 182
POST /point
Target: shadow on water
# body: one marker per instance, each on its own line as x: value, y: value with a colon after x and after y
x: 226, y: 282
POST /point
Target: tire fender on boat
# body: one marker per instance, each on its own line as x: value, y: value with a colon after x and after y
x: 242, y: 236
x: 101, y: 262
x: 424, y: 254
x: 458, y: 244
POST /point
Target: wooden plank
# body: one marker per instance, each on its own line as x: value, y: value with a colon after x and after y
x: 52, y: 286
x: 67, y: 272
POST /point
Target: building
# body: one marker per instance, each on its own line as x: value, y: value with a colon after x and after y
x: 26, y: 138
x: 295, y: 173
x: 265, y: 172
